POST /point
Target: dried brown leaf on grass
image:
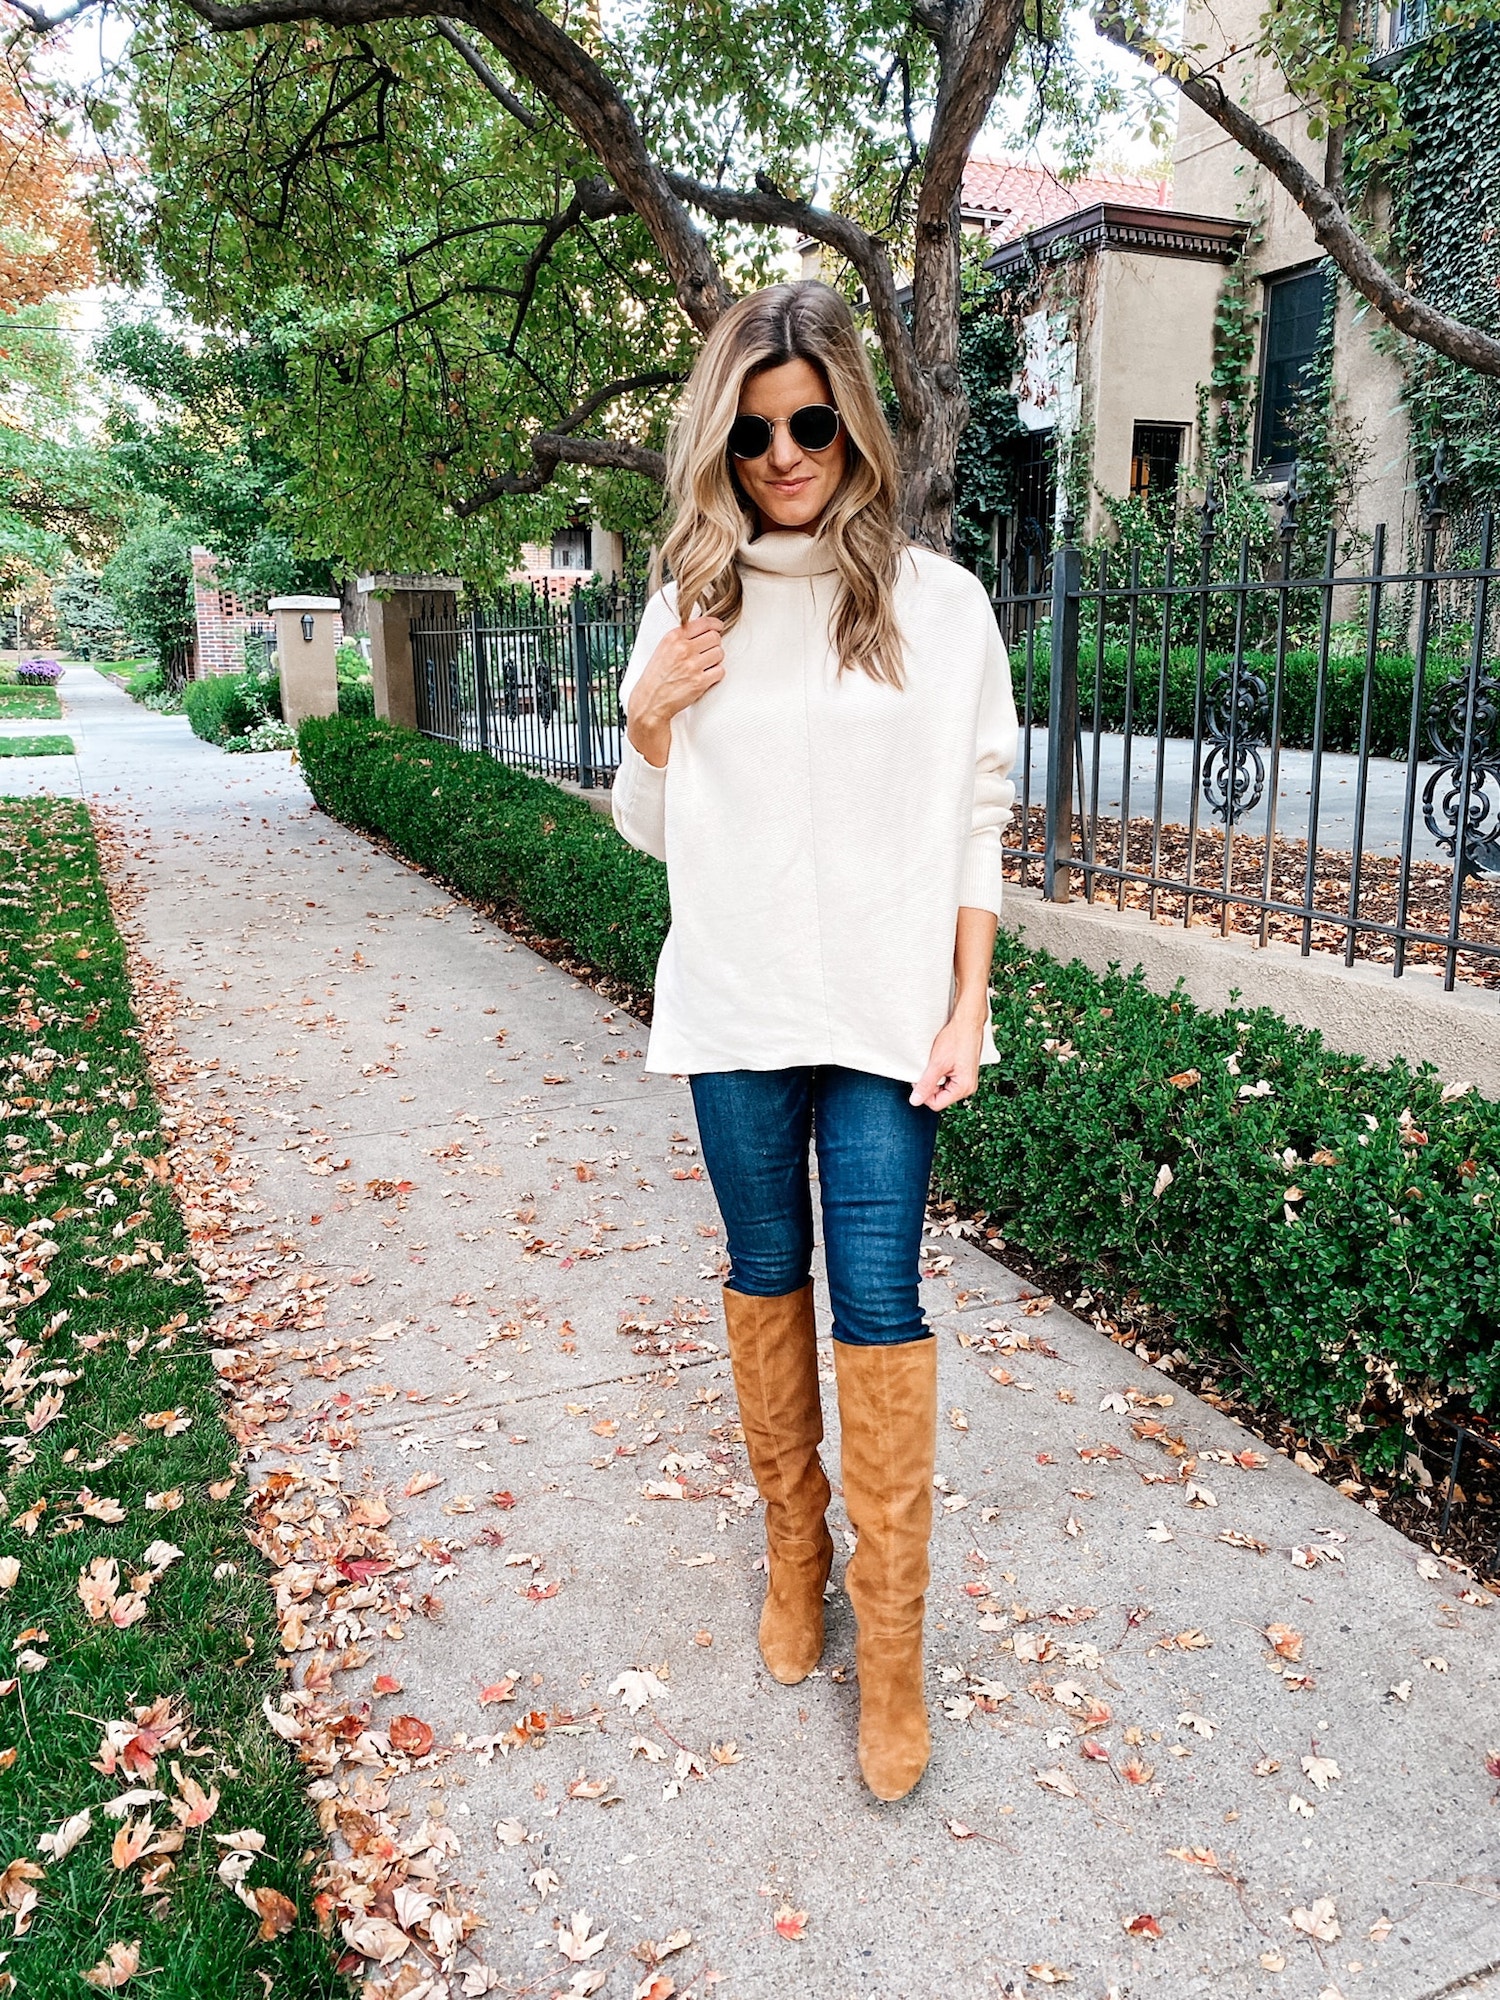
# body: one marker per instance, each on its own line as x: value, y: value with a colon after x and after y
x: 119, y: 1963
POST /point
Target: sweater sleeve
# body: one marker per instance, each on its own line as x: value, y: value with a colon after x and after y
x: 994, y: 792
x: 638, y: 801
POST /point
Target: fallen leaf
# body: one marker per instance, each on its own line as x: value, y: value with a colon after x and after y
x: 1057, y: 1780
x: 421, y: 1482
x: 575, y: 1942
x: 67, y: 1836
x: 131, y: 1842
x: 1319, y: 1771
x: 1285, y: 1642
x: 411, y: 1736
x: 1318, y: 1921
x: 1049, y: 1974
x: 1145, y: 1925
x: 790, y: 1924
x: 119, y: 1963
x: 636, y: 1687
x: 193, y: 1806
x: 377, y: 1938
x: 278, y: 1913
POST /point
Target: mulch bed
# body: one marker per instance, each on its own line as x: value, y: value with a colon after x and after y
x: 1430, y: 888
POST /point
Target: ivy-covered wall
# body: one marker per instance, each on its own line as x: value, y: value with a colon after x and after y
x: 1445, y: 196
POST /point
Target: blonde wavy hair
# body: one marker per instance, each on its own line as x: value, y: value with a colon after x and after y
x: 808, y: 322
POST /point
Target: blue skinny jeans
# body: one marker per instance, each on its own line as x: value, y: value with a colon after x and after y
x: 874, y: 1150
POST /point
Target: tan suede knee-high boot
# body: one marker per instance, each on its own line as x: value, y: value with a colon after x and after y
x: 888, y: 1417
x: 773, y: 1350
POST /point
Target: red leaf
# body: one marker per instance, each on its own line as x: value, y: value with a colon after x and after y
x: 410, y: 1735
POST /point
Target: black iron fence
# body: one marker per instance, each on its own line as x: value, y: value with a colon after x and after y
x: 1313, y: 757
x: 528, y: 677
x: 1302, y: 750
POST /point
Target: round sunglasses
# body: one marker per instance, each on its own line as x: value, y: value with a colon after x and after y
x: 814, y: 427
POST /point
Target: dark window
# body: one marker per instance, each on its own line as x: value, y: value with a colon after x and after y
x: 1155, y: 456
x: 1036, y: 497
x: 1295, y: 309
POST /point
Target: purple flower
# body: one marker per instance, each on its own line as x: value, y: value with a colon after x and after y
x: 39, y: 673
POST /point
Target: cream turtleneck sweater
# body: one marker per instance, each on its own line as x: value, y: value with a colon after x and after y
x: 822, y: 830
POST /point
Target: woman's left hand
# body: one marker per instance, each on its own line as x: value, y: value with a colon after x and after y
x: 952, y: 1071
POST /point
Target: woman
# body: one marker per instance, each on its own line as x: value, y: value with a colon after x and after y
x: 819, y: 734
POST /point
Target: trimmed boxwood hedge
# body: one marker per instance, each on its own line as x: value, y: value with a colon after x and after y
x: 1324, y: 1224
x: 497, y: 834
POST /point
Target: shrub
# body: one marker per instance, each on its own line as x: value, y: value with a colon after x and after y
x: 497, y: 834
x: 1322, y: 1223
x: 38, y: 673
x: 1390, y: 704
x: 225, y: 705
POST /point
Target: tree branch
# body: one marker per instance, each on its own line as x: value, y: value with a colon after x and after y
x: 40, y: 22
x: 1330, y: 221
x: 446, y: 236
x: 569, y: 78
x: 767, y: 206
x: 502, y: 93
x: 549, y: 449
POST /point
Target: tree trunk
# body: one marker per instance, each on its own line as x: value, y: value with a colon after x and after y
x: 927, y: 451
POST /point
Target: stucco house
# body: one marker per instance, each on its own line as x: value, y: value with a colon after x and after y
x: 1120, y: 294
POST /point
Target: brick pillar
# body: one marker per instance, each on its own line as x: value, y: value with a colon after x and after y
x: 307, y: 631
x: 391, y: 603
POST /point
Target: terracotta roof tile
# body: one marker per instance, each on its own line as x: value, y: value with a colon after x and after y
x: 1014, y: 197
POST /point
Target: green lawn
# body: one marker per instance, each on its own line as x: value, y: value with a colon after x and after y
x: 28, y: 704
x: 116, y: 1455
x: 36, y: 746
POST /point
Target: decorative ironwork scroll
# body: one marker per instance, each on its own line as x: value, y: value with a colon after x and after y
x: 1234, y: 772
x: 1476, y: 844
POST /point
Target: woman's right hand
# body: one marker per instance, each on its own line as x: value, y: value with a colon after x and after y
x: 687, y: 663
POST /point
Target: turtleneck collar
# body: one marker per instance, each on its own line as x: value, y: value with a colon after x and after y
x: 786, y: 552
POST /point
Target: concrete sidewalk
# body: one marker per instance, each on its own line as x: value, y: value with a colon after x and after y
x: 1120, y: 1749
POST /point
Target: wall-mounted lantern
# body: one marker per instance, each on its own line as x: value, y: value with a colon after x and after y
x: 307, y: 627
